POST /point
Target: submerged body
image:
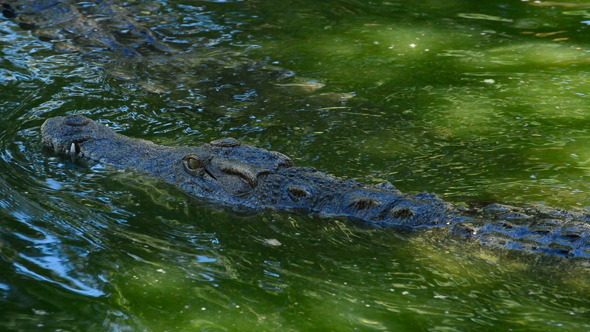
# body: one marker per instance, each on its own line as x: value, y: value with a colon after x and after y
x: 228, y: 172
x: 90, y: 24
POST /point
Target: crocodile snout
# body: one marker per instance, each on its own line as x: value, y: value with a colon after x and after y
x: 66, y: 134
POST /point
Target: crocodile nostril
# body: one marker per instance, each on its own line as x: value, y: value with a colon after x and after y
x: 77, y: 120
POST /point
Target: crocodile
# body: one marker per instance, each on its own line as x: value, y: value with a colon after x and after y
x: 140, y: 44
x: 98, y: 23
x: 230, y: 173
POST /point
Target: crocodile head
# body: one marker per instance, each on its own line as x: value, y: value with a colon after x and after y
x: 223, y: 170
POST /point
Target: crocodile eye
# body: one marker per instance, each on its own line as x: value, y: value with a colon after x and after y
x: 194, y: 164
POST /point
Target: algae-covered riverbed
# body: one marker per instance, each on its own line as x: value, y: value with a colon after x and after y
x: 474, y: 101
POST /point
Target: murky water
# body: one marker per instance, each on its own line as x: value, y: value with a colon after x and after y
x: 475, y: 101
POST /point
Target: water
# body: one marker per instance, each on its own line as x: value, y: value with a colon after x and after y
x: 473, y: 101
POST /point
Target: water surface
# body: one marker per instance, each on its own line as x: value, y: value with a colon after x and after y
x: 473, y: 101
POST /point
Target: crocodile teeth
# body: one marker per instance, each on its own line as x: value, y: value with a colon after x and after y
x: 74, y: 150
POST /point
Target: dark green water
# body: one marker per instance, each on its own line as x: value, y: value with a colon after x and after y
x: 475, y: 101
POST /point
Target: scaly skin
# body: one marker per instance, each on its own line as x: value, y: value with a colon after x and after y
x: 227, y: 172
x: 61, y: 19
x: 136, y: 54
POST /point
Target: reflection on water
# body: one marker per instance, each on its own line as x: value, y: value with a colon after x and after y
x: 473, y: 102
